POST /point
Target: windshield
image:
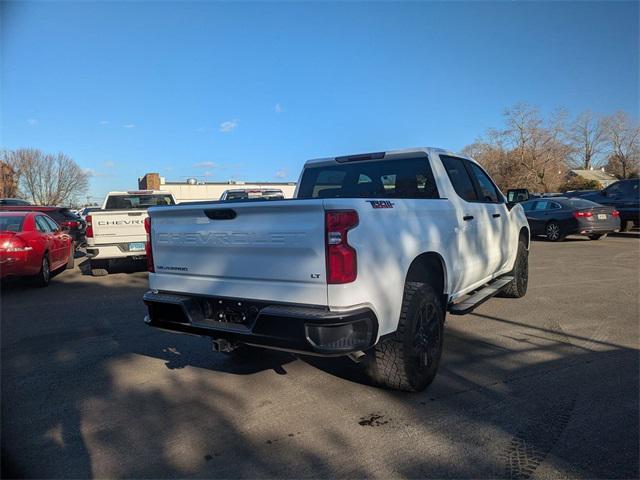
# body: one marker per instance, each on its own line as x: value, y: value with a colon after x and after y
x: 125, y: 202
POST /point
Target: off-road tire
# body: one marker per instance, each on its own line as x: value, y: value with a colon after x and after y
x: 517, y: 288
x: 44, y: 275
x: 597, y: 236
x: 408, y: 360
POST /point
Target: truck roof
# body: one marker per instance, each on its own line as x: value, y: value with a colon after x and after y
x: 140, y: 192
x: 253, y: 190
x: 392, y: 154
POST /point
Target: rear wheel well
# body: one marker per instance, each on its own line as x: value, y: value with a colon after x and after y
x: 429, y: 268
x: 525, y: 235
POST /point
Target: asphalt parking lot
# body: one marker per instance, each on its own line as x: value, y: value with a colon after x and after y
x: 542, y: 387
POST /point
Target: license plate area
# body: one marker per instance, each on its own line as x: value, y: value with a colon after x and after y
x: 136, y: 247
x: 602, y: 216
x: 223, y: 312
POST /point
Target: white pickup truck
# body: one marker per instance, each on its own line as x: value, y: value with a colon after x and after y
x: 115, y: 233
x: 365, y: 261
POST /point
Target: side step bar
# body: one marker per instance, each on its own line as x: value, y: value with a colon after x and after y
x: 479, y: 297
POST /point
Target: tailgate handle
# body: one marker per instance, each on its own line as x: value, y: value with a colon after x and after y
x: 220, y: 214
x: 134, y: 214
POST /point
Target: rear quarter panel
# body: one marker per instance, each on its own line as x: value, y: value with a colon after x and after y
x: 387, y: 240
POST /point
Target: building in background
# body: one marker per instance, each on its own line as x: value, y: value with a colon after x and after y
x: 192, y: 190
x: 605, y: 179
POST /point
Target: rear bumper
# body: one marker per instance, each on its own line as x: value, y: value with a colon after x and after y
x: 114, y: 251
x: 589, y: 227
x: 309, y: 330
x: 17, y: 264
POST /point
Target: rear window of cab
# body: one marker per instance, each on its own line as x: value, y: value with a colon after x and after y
x: 394, y: 178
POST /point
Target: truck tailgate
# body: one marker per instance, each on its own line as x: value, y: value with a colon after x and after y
x: 113, y: 226
x: 259, y: 251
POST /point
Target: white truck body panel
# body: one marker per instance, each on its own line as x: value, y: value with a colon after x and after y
x: 115, y: 231
x: 249, y: 256
x: 276, y: 251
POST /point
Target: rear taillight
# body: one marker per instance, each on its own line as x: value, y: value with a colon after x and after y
x: 15, y: 244
x: 341, y: 257
x: 615, y: 213
x: 582, y: 214
x: 147, y: 246
x: 89, y: 230
x: 70, y: 224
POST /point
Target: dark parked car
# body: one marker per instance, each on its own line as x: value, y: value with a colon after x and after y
x: 87, y: 210
x: 558, y: 217
x: 624, y: 196
x: 62, y: 215
x: 13, y: 201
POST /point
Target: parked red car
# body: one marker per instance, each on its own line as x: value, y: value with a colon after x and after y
x: 33, y: 245
x: 62, y: 216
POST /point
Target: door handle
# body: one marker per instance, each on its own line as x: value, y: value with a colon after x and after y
x: 467, y: 217
x: 496, y: 215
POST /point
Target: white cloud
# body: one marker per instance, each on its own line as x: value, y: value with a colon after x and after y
x: 129, y: 125
x: 281, y: 173
x: 278, y: 108
x: 109, y: 164
x: 204, y: 165
x: 228, y: 126
x: 32, y: 121
x: 104, y: 122
x: 92, y: 173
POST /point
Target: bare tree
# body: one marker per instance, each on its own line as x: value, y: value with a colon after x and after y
x: 529, y: 152
x: 623, y: 137
x: 587, y: 139
x: 536, y: 146
x: 48, y: 179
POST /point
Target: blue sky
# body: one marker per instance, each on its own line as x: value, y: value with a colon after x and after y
x: 251, y: 90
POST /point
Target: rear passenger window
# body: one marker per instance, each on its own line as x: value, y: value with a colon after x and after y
x: 542, y: 205
x: 528, y: 206
x: 52, y: 225
x: 459, y: 177
x: 488, y: 191
x: 42, y: 225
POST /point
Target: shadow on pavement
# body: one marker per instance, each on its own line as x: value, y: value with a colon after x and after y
x: 83, y: 395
